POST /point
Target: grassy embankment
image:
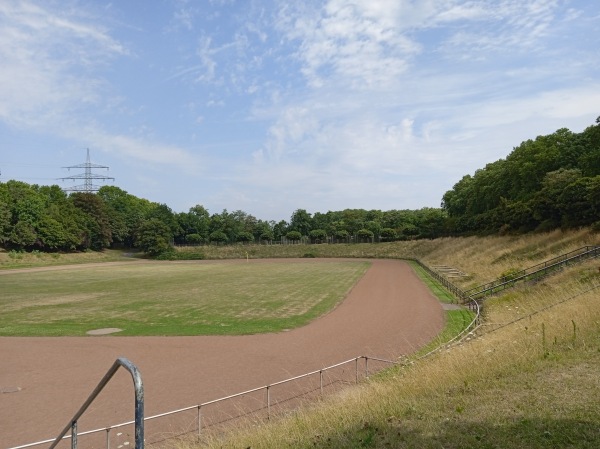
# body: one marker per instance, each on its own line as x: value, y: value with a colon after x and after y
x: 528, y: 378
x: 17, y: 259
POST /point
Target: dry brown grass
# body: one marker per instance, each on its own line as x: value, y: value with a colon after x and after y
x: 486, y: 258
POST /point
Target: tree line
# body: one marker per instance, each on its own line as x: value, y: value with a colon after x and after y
x: 45, y: 218
x: 543, y: 184
x: 550, y: 182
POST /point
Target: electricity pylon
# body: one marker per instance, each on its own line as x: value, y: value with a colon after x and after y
x: 88, y: 177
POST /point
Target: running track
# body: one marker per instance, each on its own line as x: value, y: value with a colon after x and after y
x: 388, y: 313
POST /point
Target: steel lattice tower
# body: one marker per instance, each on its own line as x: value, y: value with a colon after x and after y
x: 88, y: 176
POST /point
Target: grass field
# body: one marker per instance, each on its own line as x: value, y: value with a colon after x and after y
x: 166, y: 298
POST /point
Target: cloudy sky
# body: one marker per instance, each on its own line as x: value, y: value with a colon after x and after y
x: 269, y: 106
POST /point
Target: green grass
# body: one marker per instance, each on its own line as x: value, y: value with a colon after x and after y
x: 436, y: 288
x: 456, y: 320
x: 166, y: 298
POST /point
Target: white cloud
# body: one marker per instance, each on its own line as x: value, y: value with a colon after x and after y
x: 46, y: 64
x: 49, y: 83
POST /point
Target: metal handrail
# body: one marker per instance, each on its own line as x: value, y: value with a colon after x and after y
x: 456, y: 291
x: 578, y: 254
x: 139, y: 404
x: 198, y: 406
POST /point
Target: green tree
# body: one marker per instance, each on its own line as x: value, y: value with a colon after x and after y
x: 301, y: 222
x: 194, y: 239
x: 164, y: 213
x: 574, y: 204
x: 5, y: 227
x: 153, y: 237
x: 218, y: 237
x: 23, y: 235
x: 293, y: 236
x: 318, y: 236
x: 388, y: 234
x: 364, y: 236
x: 279, y: 229
x: 96, y: 220
x: 545, y: 206
x: 341, y: 235
x: 125, y: 212
x: 266, y: 236
x: 245, y: 237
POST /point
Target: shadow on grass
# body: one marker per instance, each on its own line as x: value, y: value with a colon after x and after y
x: 522, y: 433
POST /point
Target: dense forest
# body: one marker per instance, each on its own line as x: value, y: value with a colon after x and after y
x: 543, y: 184
x: 546, y: 183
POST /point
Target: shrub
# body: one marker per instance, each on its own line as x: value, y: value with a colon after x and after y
x: 511, y: 273
x: 218, y: 237
x: 194, y: 239
x: 293, y: 235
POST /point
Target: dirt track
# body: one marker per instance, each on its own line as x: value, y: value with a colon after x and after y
x: 387, y: 314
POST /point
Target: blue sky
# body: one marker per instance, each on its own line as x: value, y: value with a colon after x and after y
x: 270, y: 106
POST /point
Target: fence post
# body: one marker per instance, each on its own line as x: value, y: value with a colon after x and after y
x: 321, y: 380
x: 74, y: 435
x: 108, y: 438
x: 268, y: 402
x: 199, y: 420
x: 357, y: 368
x: 366, y: 367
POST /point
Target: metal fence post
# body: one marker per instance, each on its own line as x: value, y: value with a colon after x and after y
x: 199, y: 420
x: 108, y: 438
x: 366, y: 367
x: 321, y: 381
x: 74, y: 435
x: 356, y: 360
x: 268, y: 403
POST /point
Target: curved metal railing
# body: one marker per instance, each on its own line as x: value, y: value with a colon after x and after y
x: 139, y: 405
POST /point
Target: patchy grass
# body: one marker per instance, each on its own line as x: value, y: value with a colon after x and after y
x: 166, y: 298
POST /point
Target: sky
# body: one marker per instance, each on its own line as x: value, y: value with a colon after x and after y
x: 269, y: 106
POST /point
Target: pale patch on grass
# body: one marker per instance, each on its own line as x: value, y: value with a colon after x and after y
x: 51, y: 300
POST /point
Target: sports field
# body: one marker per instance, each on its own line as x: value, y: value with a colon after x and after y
x: 386, y: 313
x: 166, y: 298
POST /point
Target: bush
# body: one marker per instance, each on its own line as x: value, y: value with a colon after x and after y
x: 194, y: 239
x: 318, y: 235
x: 169, y: 254
x: 388, y: 234
x: 511, y: 273
x: 245, y: 237
x: 218, y: 237
x: 293, y: 235
x: 365, y: 236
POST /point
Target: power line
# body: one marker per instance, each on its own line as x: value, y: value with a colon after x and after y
x: 88, y: 176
